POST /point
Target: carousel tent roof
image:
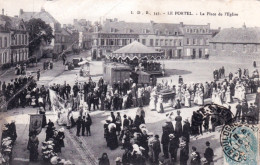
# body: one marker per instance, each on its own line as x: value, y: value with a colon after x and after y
x: 136, y: 47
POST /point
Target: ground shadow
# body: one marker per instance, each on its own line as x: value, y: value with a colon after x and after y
x: 170, y: 72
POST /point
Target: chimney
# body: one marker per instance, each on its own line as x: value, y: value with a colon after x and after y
x: 75, y: 21
x: 219, y: 28
x: 16, y: 16
x: 42, y: 9
x: 21, y: 11
x: 152, y: 22
x: 181, y: 23
x: 3, y: 11
x: 244, y: 26
x: 115, y: 19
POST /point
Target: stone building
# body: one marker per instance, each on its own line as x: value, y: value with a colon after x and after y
x: 196, y: 40
x: 14, y: 40
x: 174, y: 40
x: 48, y: 19
x: 243, y: 41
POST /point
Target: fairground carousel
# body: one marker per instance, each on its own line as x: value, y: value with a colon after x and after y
x: 139, y: 57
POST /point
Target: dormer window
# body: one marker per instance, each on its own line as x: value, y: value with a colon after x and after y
x: 157, y: 32
x: 175, y: 33
x: 145, y: 31
x: 188, y: 30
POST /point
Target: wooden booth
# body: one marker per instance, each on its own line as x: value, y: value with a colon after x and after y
x: 114, y: 72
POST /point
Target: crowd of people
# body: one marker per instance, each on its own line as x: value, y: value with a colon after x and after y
x: 142, y: 146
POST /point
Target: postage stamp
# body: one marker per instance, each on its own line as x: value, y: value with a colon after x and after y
x: 240, y: 144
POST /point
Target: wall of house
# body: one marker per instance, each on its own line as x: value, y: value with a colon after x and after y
x: 231, y: 49
x: 4, y: 48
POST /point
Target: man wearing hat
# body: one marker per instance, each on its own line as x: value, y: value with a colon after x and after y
x: 239, y: 110
x: 209, y: 154
x: 186, y: 130
x: 165, y: 141
x: 244, y: 109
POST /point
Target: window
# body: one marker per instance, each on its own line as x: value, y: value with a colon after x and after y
x: 214, y: 46
x: 151, y: 42
x: 188, y: 41
x: 222, y: 46
x: 180, y: 43
x: 157, y: 32
x: 102, y: 42
x: 144, y: 41
x: 207, y: 41
x: 5, y: 42
x: 161, y: 42
x: 188, y: 52
x: 244, y: 47
x: 201, y: 42
x: 22, y: 39
x: 26, y: 40
x: 194, y: 42
x: 0, y: 42
x: 175, y: 43
x: 188, y: 30
x: 156, y: 42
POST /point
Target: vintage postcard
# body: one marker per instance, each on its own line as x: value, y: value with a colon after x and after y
x: 129, y: 82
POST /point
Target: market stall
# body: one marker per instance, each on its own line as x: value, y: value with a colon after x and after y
x: 114, y: 72
x: 85, y: 68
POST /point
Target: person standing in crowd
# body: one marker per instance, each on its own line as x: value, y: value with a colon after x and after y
x: 104, y: 160
x: 239, y: 110
x: 83, y: 126
x: 195, y: 157
x: 209, y: 153
x: 38, y: 74
x: 88, y: 124
x: 79, y: 123
x: 184, y: 151
x: 165, y: 141
x: 186, y: 130
x: 178, y: 125
x: 118, y: 123
x: 33, y: 146
x: 173, y: 147
x: 156, y: 149
x: 125, y: 122
x: 244, y: 109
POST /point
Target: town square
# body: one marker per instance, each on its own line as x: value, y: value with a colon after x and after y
x: 115, y: 92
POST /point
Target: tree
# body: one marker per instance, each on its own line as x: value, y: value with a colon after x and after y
x: 38, y: 31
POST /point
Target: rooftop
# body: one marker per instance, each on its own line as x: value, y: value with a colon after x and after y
x: 238, y: 35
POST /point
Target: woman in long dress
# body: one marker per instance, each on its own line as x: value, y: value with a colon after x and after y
x: 218, y: 98
x: 187, y: 99
x: 200, y: 97
x: 33, y: 147
x: 214, y: 95
x: 196, y: 97
x: 159, y: 106
x: 178, y: 124
x: 228, y: 95
x: 152, y: 104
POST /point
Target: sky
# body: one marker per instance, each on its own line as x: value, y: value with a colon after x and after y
x: 245, y: 11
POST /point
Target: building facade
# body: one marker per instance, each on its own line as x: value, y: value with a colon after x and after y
x: 14, y: 40
x: 48, y: 19
x: 196, y: 40
x: 175, y: 40
x: 236, y: 42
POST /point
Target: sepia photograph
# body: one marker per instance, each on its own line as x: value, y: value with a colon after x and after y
x: 139, y: 82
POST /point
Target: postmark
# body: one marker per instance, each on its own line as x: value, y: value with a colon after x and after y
x: 240, y: 144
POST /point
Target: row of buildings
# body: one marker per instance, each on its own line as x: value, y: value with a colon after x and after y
x: 175, y: 40
x: 14, y: 40
x: 14, y: 37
